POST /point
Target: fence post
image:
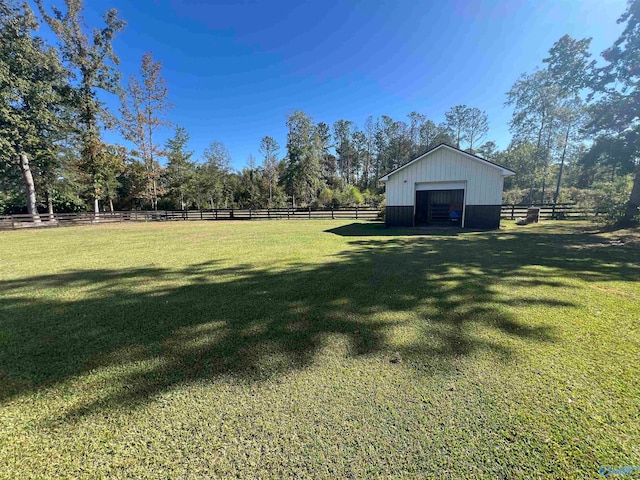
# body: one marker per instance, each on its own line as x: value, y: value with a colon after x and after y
x: 332, y: 217
x: 513, y: 211
x: 309, y: 207
x: 268, y: 213
x: 287, y: 213
x: 356, y: 212
x: 231, y: 215
x: 200, y: 214
x: 250, y: 214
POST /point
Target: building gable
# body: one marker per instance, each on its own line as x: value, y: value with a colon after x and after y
x: 505, y: 172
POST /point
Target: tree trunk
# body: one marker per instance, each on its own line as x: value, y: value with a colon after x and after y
x: 50, y: 205
x: 564, y: 153
x: 633, y: 205
x: 96, y: 208
x: 30, y: 188
x: 155, y: 195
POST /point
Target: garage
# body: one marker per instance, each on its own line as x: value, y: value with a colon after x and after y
x: 445, y: 186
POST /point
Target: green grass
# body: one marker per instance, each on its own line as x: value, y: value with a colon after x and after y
x: 264, y: 350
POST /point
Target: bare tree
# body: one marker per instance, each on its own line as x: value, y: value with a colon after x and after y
x: 143, y: 110
x: 269, y: 148
x: 476, y: 127
x: 456, y: 121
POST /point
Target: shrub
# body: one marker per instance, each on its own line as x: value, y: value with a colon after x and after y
x: 383, y: 210
x: 326, y: 197
x: 350, y: 196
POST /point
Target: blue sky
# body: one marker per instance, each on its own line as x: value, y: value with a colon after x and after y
x: 235, y: 69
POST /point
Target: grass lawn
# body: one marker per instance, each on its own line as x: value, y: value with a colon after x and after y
x: 317, y: 349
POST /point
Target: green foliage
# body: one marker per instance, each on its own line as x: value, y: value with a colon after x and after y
x: 93, y: 63
x: 33, y: 92
x: 607, y: 199
x: 304, y: 153
x: 180, y: 168
x: 614, y: 115
x: 326, y: 197
x: 349, y: 197
x: 269, y: 148
x: 514, y: 195
x: 132, y: 185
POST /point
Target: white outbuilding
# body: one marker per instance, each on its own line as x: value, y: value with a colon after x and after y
x: 445, y: 185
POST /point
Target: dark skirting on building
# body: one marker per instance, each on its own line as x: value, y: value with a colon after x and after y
x: 482, y: 217
x: 399, y: 216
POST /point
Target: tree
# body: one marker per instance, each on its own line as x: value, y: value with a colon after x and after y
x: 369, y: 167
x: 359, y: 142
x: 179, y: 165
x: 112, y: 160
x: 269, y: 149
x: 456, y: 119
x: 132, y: 184
x: 100, y: 175
x: 535, y: 99
x: 304, y: 151
x: 143, y: 113
x: 568, y: 65
x: 93, y: 62
x: 32, y: 83
x: 428, y: 133
x: 615, y: 115
x: 487, y: 150
x: 416, y: 121
x: 248, y: 192
x: 475, y: 127
x: 211, y: 183
x: 342, y: 131
x: 569, y: 118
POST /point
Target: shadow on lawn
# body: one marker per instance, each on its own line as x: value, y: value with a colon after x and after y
x: 206, y: 321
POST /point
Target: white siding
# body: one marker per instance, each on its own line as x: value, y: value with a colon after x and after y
x: 484, y: 182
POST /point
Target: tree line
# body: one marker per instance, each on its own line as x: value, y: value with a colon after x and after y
x: 575, y: 131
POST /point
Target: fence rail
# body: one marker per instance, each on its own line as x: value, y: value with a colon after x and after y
x: 547, y: 211
x: 13, y: 222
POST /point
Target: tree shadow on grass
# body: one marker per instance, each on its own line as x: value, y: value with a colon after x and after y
x: 167, y: 327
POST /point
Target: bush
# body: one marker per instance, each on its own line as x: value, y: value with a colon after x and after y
x: 383, y: 210
x: 350, y: 196
x: 604, y: 200
x: 326, y: 197
x: 611, y: 198
x: 515, y: 195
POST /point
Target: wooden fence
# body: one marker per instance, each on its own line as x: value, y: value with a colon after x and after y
x: 13, y: 222
x: 547, y: 211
